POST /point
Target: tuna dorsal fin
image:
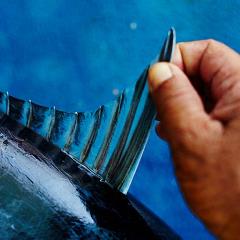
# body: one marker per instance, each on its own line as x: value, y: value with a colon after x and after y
x: 108, y: 141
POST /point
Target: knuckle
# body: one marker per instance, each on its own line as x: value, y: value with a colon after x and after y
x: 212, y: 42
x: 212, y: 48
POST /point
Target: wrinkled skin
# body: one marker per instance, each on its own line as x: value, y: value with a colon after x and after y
x: 198, y: 102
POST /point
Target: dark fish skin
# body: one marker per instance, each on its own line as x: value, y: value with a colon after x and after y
x: 115, y: 215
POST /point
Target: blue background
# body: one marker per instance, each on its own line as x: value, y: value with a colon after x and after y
x: 73, y: 54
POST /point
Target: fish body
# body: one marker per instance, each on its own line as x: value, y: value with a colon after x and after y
x: 45, y: 194
x: 66, y: 175
x: 108, y: 141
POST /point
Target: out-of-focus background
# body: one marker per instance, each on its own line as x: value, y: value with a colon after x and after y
x: 79, y: 54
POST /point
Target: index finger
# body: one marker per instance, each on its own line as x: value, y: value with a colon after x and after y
x: 210, y: 60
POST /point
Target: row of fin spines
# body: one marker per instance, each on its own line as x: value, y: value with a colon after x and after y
x: 66, y: 130
x: 118, y: 161
x: 76, y: 133
x: 133, y: 150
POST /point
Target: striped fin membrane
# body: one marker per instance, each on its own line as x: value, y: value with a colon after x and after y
x: 108, y: 141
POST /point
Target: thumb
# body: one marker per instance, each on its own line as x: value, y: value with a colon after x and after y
x: 176, y: 100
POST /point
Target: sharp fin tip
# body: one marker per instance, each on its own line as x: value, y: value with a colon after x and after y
x: 172, y: 30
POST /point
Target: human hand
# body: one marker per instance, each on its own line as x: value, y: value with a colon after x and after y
x: 198, y: 103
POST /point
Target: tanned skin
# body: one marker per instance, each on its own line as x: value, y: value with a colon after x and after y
x: 197, y: 97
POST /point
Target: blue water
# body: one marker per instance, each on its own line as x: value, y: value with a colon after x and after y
x: 78, y: 54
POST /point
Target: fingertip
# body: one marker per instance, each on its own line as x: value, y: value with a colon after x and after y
x: 174, y: 99
x: 158, y: 73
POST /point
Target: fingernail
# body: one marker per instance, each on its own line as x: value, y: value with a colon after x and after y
x: 158, y: 74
